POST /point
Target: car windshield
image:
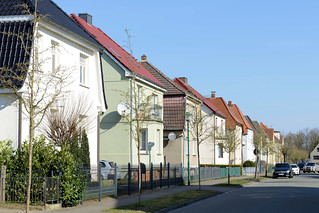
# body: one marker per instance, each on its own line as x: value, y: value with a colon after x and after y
x: 293, y: 165
x: 310, y: 164
x: 282, y: 165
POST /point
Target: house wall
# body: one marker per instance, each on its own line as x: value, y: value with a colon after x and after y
x: 173, y: 150
x: 314, y: 155
x: 237, y: 160
x: 68, y: 57
x: 248, y: 146
x: 115, y: 129
x: 193, y: 107
x: 114, y: 133
x: 9, y: 114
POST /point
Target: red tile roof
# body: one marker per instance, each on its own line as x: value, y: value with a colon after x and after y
x: 231, y: 120
x: 116, y: 50
x: 239, y: 115
x: 269, y: 131
x: 199, y: 96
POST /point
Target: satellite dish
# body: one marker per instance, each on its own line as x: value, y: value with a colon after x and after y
x: 123, y: 109
x: 171, y: 136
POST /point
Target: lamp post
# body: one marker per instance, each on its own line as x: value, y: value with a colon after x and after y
x: 188, y: 167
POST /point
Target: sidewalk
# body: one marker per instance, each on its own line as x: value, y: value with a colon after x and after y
x: 93, y: 206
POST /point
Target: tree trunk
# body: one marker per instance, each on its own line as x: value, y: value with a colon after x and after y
x: 139, y: 176
x: 256, y: 166
x: 199, y: 184
x: 30, y: 160
x: 229, y: 169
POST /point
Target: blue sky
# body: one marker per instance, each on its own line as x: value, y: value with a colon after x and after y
x: 261, y: 55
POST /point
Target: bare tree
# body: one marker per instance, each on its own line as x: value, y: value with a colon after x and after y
x: 230, y: 143
x: 202, y: 129
x: 65, y: 124
x: 142, y: 109
x: 267, y: 149
x: 257, y: 141
x: 40, y: 90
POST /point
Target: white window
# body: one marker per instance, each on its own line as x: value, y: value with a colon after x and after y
x: 139, y: 95
x: 54, y: 57
x: 143, y: 140
x: 158, y: 141
x: 220, y: 150
x: 83, y: 69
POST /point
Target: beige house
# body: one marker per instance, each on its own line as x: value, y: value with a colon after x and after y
x: 314, y: 155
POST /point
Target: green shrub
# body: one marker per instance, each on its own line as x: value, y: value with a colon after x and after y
x: 6, y: 152
x: 249, y: 163
x: 73, y: 181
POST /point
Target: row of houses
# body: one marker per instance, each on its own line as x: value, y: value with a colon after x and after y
x: 108, y: 79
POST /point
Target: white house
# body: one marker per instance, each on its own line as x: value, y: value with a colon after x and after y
x: 62, y: 45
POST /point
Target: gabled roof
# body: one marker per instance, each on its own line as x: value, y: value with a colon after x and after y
x: 171, y: 87
x: 231, y: 120
x: 269, y: 131
x: 117, y: 51
x: 13, y: 53
x: 239, y: 115
x: 50, y: 10
x: 199, y: 96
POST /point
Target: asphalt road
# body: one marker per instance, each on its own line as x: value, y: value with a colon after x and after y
x: 299, y: 194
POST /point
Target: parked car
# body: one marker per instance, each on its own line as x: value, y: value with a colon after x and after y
x: 301, y: 165
x: 295, y: 169
x: 282, y: 169
x: 311, y: 167
x: 108, y: 170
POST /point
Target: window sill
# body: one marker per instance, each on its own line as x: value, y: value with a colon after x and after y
x: 144, y: 153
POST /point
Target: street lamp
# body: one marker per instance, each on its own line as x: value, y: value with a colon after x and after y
x: 188, y: 168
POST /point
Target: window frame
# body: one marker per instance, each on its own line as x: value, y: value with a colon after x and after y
x: 143, y: 135
x: 83, y: 68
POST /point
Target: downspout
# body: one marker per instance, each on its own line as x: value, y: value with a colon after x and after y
x: 184, y: 136
x: 20, y: 124
x: 131, y: 119
x: 98, y: 139
x: 214, y: 140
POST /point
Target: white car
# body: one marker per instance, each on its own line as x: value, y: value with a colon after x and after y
x: 295, y: 169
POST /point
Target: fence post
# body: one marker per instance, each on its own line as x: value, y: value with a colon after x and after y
x: 151, y: 175
x: 100, y: 182
x: 44, y: 192
x: 175, y: 175
x: 115, y: 181
x: 3, y: 184
x: 161, y: 175
x: 168, y: 168
x: 59, y: 185
x: 129, y: 179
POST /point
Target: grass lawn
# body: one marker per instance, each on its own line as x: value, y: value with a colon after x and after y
x: 239, y: 182
x: 163, y: 202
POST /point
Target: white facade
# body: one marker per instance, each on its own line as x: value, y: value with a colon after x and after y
x: 210, y: 147
x: 65, y: 55
x: 248, y: 146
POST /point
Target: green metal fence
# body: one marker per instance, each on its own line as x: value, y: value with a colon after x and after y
x: 234, y: 171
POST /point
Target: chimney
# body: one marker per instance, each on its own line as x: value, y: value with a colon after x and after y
x: 184, y: 79
x: 86, y: 17
x: 144, y: 57
x: 213, y: 94
x: 230, y: 103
